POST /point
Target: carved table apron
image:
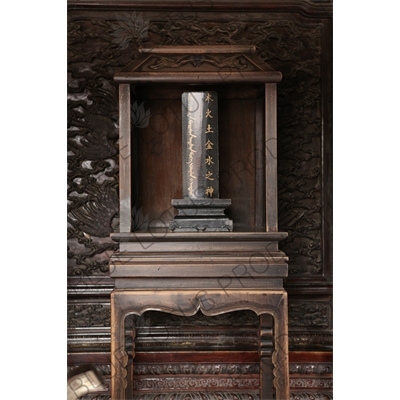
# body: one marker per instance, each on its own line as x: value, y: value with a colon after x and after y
x: 197, y: 273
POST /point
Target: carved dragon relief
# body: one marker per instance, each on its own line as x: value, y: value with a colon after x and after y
x: 292, y: 47
x: 94, y: 55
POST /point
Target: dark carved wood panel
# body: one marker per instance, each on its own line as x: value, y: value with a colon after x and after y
x: 100, y: 44
x: 310, y: 375
x: 294, y: 38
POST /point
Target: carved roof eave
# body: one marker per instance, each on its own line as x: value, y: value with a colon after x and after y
x: 260, y: 73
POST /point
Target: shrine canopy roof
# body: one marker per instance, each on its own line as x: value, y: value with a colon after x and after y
x: 215, y: 64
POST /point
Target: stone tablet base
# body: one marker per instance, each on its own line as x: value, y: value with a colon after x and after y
x: 197, y: 215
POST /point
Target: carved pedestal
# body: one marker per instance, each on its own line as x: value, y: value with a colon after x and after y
x: 182, y: 273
